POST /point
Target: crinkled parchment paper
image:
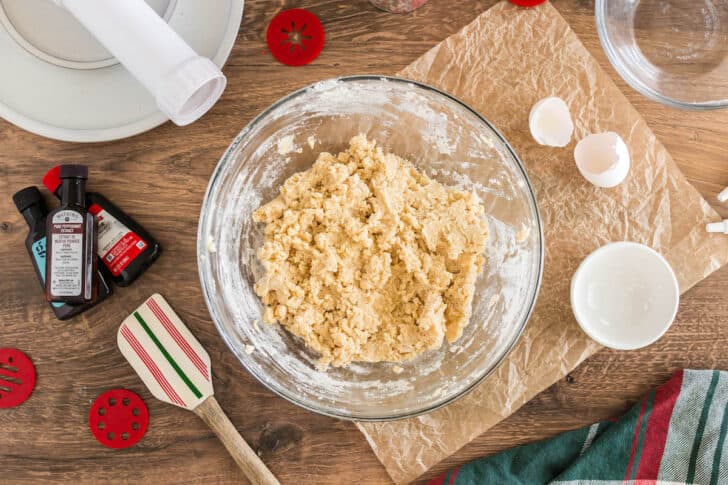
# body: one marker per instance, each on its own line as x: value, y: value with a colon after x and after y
x: 501, y: 64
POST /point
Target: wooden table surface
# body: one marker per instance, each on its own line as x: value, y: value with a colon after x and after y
x: 160, y: 178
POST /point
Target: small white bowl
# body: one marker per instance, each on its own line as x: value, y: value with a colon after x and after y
x: 625, y: 295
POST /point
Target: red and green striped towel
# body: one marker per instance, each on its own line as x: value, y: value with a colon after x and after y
x: 675, y: 435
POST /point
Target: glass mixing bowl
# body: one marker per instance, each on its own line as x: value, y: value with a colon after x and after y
x: 443, y: 138
x: 673, y: 51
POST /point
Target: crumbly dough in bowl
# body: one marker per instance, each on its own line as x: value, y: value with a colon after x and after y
x: 367, y: 259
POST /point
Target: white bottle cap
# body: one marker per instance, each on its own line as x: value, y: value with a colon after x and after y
x: 718, y: 227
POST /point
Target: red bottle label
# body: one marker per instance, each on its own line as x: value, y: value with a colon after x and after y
x: 118, y: 245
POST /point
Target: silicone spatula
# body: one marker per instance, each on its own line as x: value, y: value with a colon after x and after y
x: 176, y: 369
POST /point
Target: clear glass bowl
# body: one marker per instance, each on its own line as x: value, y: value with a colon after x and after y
x: 442, y: 137
x: 672, y: 51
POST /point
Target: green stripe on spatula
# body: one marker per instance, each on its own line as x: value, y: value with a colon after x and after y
x: 166, y: 355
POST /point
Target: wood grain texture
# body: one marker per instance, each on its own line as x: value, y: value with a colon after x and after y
x: 249, y: 462
x: 160, y: 177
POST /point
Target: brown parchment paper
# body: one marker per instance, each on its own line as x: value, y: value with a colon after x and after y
x: 501, y: 64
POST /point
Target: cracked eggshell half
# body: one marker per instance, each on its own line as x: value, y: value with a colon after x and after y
x: 603, y: 159
x: 550, y: 122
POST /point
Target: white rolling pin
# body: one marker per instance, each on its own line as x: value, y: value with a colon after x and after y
x: 184, y: 84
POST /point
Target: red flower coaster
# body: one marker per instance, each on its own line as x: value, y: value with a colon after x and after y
x: 527, y: 3
x: 17, y: 378
x: 295, y: 37
x: 118, y: 418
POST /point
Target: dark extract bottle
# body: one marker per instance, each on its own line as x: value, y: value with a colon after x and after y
x: 71, y: 244
x: 31, y: 205
x: 125, y: 248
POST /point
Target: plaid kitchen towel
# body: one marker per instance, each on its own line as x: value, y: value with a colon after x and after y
x: 675, y: 435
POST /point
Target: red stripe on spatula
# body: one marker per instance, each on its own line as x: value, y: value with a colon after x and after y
x: 178, y: 338
x: 151, y: 365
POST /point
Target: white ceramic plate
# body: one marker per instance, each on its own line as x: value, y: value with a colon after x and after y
x: 57, y: 81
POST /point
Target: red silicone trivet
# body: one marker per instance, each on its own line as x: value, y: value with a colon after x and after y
x: 17, y: 378
x: 527, y: 3
x: 118, y: 418
x: 295, y: 37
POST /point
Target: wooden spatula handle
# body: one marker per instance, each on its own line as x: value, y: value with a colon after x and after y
x: 248, y: 461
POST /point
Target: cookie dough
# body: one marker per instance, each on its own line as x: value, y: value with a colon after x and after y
x: 368, y: 259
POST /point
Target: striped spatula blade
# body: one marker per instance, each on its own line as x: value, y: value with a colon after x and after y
x: 165, y: 354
